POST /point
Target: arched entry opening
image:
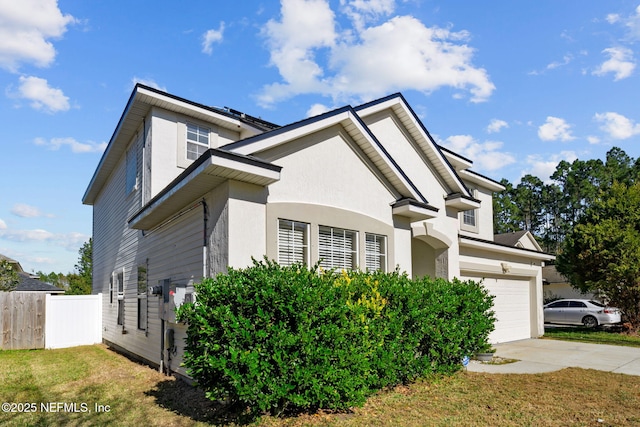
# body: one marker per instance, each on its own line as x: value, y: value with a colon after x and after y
x: 429, y: 251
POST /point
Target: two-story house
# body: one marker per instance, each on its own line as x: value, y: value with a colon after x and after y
x: 184, y: 190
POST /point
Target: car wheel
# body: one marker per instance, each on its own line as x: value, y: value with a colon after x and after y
x: 589, y: 322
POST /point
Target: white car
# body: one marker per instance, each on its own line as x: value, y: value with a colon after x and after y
x: 581, y: 312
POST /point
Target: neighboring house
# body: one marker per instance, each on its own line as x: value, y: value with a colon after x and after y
x: 184, y: 190
x: 29, y: 282
x: 15, y: 264
x: 557, y: 286
x: 520, y: 239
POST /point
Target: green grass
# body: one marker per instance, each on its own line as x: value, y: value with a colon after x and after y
x: 138, y: 395
x: 596, y: 336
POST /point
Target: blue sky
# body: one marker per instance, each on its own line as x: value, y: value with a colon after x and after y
x: 514, y: 86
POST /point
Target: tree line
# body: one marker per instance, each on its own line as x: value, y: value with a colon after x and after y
x: 551, y: 210
x: 589, y: 217
x: 76, y: 283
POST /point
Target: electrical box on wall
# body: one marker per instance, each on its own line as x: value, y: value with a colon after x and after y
x: 173, y: 296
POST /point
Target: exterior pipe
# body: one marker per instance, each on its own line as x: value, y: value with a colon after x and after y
x: 205, y: 214
x: 161, y: 346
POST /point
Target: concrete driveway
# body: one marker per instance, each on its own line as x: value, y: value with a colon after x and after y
x: 541, y: 355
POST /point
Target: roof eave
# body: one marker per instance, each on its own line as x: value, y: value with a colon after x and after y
x: 212, y: 168
x: 471, y: 242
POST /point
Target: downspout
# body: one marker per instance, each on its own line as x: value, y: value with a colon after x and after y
x: 144, y: 162
x: 161, y: 344
x: 205, y: 240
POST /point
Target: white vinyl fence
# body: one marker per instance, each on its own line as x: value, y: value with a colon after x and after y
x: 73, y: 320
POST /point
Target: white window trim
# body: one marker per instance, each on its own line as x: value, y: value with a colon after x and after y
x: 120, y: 297
x: 305, y: 246
x: 142, y: 295
x: 382, y: 254
x: 200, y: 130
x: 355, y: 252
x: 468, y: 227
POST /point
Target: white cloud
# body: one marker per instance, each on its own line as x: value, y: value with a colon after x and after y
x: 543, y: 168
x: 54, y: 144
x: 42, y: 96
x: 593, y: 139
x: 26, y: 26
x: 633, y: 24
x: 630, y: 23
x: 305, y: 25
x: 566, y: 59
x: 617, y: 125
x: 317, y: 109
x: 555, y: 129
x: 612, y: 18
x: 362, y: 11
x: 620, y: 63
x: 485, y: 156
x: 147, y: 82
x: 70, y: 241
x: 496, y: 126
x: 211, y: 37
x: 3, y: 225
x: 26, y: 211
x: 37, y: 235
x: 416, y: 56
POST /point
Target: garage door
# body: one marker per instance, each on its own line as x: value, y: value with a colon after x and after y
x: 512, y: 305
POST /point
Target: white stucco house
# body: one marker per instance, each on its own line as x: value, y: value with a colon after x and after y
x: 184, y: 190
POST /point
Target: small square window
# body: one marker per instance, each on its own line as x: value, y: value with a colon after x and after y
x: 197, y: 141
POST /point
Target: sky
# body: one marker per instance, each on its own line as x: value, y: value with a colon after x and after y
x: 515, y: 86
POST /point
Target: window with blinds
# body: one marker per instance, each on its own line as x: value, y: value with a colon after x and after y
x: 375, y: 252
x: 293, y: 242
x: 337, y: 248
x: 469, y: 218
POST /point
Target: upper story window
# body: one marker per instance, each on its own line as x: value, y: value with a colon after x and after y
x: 470, y: 217
x: 375, y: 252
x: 337, y: 248
x: 293, y: 242
x: 197, y: 140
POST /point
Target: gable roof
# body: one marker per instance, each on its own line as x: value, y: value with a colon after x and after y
x: 11, y: 261
x: 419, y: 133
x: 350, y: 121
x: 142, y: 99
x: 517, y: 239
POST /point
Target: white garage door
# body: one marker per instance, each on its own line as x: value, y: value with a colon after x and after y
x: 512, y: 305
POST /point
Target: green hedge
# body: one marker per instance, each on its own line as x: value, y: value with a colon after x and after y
x: 293, y: 338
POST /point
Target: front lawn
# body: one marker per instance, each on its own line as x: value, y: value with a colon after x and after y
x: 138, y: 395
x: 592, y: 335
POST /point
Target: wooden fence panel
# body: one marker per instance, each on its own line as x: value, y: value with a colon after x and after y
x: 22, y: 320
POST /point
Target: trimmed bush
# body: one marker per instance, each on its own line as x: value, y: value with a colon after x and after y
x: 292, y: 338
